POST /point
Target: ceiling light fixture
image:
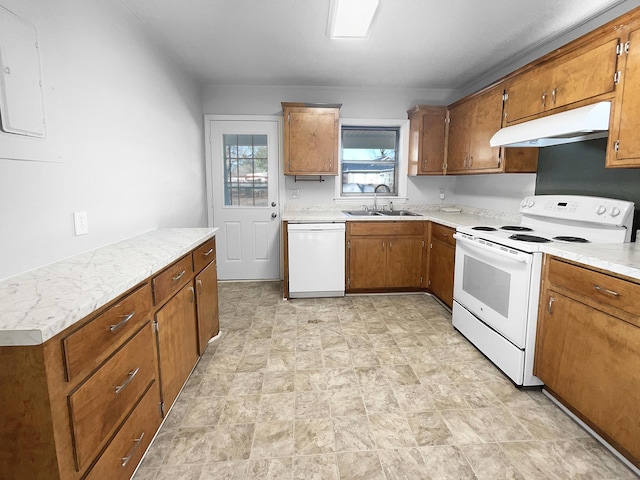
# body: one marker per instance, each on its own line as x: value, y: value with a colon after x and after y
x: 351, y: 18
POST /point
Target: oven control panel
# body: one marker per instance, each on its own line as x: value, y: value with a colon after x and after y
x: 579, y: 208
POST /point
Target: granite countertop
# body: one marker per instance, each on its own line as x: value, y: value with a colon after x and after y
x: 618, y: 258
x: 466, y: 217
x: 37, y: 305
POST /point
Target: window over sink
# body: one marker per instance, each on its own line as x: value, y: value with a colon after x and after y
x: 373, y: 161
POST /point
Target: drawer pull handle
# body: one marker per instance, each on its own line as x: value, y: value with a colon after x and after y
x: 604, y: 290
x: 137, y: 443
x: 125, y: 319
x: 178, y: 276
x: 208, y: 252
x: 132, y: 374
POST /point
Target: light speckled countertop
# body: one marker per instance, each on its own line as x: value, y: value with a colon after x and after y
x: 619, y: 258
x: 37, y: 305
x: 467, y: 217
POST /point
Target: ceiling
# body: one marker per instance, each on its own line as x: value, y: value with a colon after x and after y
x: 413, y: 43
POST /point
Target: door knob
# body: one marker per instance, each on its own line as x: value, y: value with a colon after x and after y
x: 273, y: 204
x: 274, y: 215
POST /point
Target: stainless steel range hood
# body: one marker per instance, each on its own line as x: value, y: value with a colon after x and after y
x: 584, y: 123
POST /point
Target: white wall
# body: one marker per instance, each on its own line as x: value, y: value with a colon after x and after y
x: 495, y: 192
x: 369, y: 103
x: 124, y: 125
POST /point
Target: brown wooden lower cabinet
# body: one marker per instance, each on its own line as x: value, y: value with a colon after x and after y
x: 207, y: 305
x: 587, y: 350
x: 441, y: 262
x: 87, y: 403
x: 384, y: 256
x: 125, y: 451
x: 177, y: 343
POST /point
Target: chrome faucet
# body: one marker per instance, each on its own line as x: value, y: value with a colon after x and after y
x: 375, y: 195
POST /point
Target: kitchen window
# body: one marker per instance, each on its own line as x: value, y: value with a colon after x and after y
x: 372, y: 159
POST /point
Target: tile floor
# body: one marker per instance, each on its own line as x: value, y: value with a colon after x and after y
x: 366, y: 387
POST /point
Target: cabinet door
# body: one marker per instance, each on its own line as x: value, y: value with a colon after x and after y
x: 590, y: 359
x: 404, y: 262
x: 487, y: 120
x: 207, y: 305
x: 177, y: 342
x: 529, y: 94
x: 623, y: 149
x: 441, y: 264
x: 367, y: 262
x: 426, y: 140
x: 586, y: 75
x: 311, y: 141
x: 458, y: 144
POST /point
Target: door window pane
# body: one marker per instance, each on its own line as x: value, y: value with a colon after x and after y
x: 246, y: 172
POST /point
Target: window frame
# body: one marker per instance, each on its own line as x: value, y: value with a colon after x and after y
x: 402, y: 156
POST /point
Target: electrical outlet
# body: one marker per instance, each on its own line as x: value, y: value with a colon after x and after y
x: 80, y: 223
x: 294, y: 193
x: 442, y: 194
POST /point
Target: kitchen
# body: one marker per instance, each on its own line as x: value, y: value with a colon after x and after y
x: 108, y: 151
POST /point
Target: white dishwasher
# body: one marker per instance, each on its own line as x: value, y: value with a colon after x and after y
x: 316, y: 259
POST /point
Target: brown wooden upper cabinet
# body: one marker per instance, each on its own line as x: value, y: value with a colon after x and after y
x: 623, y: 149
x: 472, y: 123
x: 427, y: 127
x: 578, y: 75
x: 311, y: 139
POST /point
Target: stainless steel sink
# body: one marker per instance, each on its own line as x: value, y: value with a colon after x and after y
x: 386, y: 213
x: 362, y: 213
x: 401, y: 213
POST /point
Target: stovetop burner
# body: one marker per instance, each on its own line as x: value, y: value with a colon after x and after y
x: 529, y: 238
x: 485, y: 229
x: 516, y: 228
x: 563, y: 238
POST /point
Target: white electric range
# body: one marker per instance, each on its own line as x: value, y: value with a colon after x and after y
x: 497, y: 272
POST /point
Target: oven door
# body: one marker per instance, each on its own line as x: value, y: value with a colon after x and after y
x: 493, y: 283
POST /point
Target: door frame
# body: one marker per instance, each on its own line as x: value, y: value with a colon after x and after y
x: 208, y: 118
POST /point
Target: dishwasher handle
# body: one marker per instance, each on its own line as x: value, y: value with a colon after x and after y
x: 316, y: 227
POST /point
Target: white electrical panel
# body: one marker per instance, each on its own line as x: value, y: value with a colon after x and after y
x: 21, y: 101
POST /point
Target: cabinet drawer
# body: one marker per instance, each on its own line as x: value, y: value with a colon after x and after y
x: 123, y: 454
x: 89, y: 345
x: 611, y: 291
x: 386, y: 228
x: 443, y: 234
x: 100, y: 404
x: 204, y: 254
x: 172, y: 279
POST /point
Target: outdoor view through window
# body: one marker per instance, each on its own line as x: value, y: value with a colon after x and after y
x: 245, y: 170
x: 369, y: 159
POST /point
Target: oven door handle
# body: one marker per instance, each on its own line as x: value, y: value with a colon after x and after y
x: 516, y: 256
